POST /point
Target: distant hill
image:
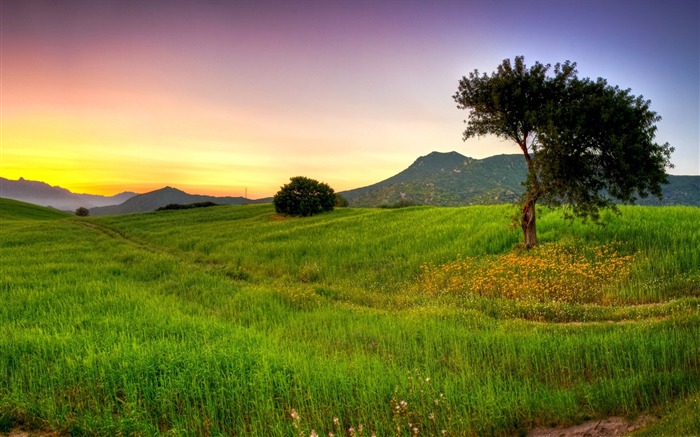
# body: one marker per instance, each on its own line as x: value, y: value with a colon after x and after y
x: 451, y: 179
x: 11, y: 209
x: 447, y: 179
x: 153, y: 200
x: 41, y: 193
x: 681, y: 190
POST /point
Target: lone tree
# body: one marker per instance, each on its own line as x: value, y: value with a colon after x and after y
x: 304, y: 197
x: 585, y: 143
x: 82, y: 212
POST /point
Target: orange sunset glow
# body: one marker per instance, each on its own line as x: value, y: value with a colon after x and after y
x: 216, y: 98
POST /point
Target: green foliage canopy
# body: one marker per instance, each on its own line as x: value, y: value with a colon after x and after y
x: 304, y: 197
x: 585, y: 142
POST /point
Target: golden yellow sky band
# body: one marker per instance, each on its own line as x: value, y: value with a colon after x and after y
x: 215, y: 97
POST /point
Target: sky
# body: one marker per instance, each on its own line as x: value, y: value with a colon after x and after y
x: 235, y: 97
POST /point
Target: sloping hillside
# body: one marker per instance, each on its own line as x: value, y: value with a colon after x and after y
x: 451, y: 179
x: 11, y: 209
x: 681, y: 190
x: 447, y: 179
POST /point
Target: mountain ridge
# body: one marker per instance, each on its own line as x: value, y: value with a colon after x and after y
x: 153, y: 200
x: 43, y: 194
x: 439, y: 178
x: 452, y: 179
x: 447, y: 179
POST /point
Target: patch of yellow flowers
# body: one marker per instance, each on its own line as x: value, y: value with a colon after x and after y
x: 559, y: 272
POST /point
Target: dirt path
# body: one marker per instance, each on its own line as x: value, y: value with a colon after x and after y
x: 612, y: 426
x: 118, y: 235
x: 21, y: 433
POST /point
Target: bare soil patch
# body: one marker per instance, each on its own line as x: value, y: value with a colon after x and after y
x: 23, y: 433
x: 612, y: 426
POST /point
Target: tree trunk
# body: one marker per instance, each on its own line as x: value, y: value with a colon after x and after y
x: 527, y: 222
x: 527, y: 219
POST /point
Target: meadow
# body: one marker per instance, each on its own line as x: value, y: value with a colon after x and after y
x: 233, y: 320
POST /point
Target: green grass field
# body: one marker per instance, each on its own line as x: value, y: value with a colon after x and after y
x: 233, y: 320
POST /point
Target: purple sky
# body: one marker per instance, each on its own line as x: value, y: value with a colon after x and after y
x: 213, y: 97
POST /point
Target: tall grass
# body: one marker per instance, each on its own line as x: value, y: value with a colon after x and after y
x: 235, y: 321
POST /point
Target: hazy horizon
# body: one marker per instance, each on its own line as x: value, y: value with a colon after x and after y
x: 223, y: 194
x: 213, y: 97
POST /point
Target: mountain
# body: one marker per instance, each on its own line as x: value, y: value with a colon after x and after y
x: 447, y: 179
x: 40, y: 193
x: 451, y: 179
x: 444, y: 179
x: 153, y: 200
x: 681, y: 190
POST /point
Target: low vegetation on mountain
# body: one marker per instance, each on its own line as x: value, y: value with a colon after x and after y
x: 451, y: 179
x: 447, y: 179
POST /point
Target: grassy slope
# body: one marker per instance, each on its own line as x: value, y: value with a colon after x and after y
x: 224, y: 320
x: 16, y: 210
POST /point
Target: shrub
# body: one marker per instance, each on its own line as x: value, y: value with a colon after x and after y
x: 82, y: 212
x: 174, y: 206
x: 340, y: 201
x: 304, y: 197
